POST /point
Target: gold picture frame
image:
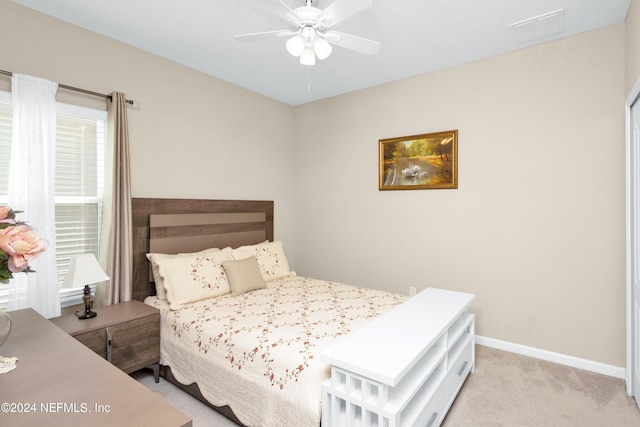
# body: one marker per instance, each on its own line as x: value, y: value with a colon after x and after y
x: 419, y: 162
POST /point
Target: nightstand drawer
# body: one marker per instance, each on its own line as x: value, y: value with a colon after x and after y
x: 134, y: 344
x: 95, y: 340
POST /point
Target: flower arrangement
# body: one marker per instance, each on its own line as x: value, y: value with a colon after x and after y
x: 19, y: 243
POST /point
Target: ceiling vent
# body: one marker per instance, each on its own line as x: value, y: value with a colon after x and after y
x: 538, y: 27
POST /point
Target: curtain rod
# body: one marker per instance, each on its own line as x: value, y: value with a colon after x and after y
x: 88, y: 92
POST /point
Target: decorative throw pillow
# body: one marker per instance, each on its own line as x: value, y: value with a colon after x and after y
x: 157, y: 279
x: 271, y: 259
x: 193, y: 278
x: 244, y: 275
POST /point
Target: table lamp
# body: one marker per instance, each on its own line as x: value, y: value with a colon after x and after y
x: 83, y: 271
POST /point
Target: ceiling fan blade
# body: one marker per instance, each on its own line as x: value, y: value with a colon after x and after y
x: 349, y: 41
x: 263, y: 34
x: 340, y: 10
x: 289, y: 14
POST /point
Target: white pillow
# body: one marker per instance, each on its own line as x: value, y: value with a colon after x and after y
x: 271, y: 259
x: 193, y: 278
x: 155, y: 257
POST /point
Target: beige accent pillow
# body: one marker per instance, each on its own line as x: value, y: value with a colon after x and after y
x: 157, y: 279
x: 244, y: 275
x: 271, y: 259
x: 194, y: 278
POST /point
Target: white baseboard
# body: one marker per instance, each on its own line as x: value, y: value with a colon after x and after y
x: 563, y: 359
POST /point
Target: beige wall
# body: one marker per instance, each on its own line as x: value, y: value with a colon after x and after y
x: 536, y: 227
x: 632, y: 47
x: 192, y: 135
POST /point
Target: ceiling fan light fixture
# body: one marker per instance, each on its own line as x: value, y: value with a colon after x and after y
x: 310, y: 35
x: 296, y: 44
x: 321, y: 47
x: 308, y: 57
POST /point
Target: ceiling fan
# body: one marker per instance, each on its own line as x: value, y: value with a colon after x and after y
x: 311, y: 37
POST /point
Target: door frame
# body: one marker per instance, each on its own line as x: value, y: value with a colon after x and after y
x: 631, y: 100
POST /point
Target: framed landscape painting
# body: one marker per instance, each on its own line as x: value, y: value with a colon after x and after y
x: 419, y: 162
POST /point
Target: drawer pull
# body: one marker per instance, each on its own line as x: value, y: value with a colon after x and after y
x: 109, y: 345
x: 432, y: 419
x: 463, y: 367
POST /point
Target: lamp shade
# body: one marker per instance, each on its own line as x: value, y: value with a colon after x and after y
x: 295, y: 45
x: 308, y: 57
x: 84, y: 270
x: 321, y: 47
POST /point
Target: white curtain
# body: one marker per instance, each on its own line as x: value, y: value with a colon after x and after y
x: 31, y: 189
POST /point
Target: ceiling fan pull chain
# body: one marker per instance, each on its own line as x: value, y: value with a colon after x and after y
x: 308, y: 78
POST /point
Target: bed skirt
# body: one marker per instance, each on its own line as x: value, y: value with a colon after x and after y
x: 194, y: 390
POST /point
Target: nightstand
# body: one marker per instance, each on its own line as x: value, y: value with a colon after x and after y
x: 126, y: 334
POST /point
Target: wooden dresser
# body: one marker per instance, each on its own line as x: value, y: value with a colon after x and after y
x: 60, y: 382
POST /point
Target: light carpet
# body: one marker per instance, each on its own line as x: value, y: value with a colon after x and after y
x: 506, y: 390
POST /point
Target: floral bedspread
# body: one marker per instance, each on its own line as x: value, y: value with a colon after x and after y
x: 258, y: 352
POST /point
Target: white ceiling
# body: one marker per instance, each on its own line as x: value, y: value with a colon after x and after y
x: 416, y: 36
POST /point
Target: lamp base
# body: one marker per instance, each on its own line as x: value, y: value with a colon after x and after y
x: 88, y: 303
x: 86, y: 315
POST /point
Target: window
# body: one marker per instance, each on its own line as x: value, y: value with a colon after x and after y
x: 79, y: 183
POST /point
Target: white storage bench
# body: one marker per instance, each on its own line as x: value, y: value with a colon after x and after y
x: 403, y: 369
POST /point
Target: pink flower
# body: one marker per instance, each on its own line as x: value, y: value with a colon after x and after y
x: 4, y: 211
x: 7, y: 215
x: 21, y: 244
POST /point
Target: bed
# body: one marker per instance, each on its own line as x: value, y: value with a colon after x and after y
x: 255, y: 340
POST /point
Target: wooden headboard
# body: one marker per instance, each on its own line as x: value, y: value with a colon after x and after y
x: 188, y: 225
